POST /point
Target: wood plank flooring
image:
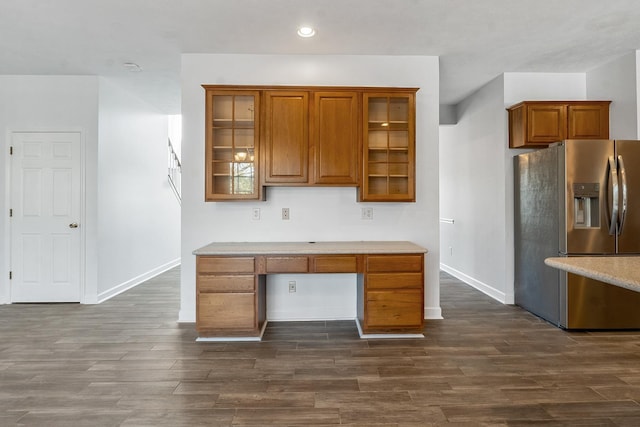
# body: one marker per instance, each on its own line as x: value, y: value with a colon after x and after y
x: 127, y: 362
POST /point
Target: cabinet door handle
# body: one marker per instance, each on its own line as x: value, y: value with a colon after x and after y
x: 73, y: 225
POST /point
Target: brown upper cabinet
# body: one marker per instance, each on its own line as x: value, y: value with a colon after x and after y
x: 232, y: 148
x: 389, y: 147
x: 335, y: 138
x: 286, y: 137
x: 536, y: 124
x: 311, y: 138
x: 259, y: 136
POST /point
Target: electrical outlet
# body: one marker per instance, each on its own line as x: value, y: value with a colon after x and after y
x: 285, y: 213
x: 292, y: 286
x: 255, y: 214
x: 367, y: 213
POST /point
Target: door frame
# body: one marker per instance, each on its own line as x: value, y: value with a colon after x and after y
x: 5, y: 285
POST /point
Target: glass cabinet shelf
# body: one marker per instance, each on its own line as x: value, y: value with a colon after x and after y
x: 232, y: 145
x: 389, y: 147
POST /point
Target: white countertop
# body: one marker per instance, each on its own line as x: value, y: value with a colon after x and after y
x: 623, y: 271
x: 309, y: 248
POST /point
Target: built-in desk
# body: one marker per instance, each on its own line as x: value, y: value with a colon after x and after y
x: 231, y: 284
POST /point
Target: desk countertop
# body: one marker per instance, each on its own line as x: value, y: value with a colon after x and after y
x: 623, y: 271
x: 309, y: 248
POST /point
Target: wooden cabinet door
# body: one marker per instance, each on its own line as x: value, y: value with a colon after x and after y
x: 400, y: 308
x: 335, y: 138
x: 588, y: 121
x: 232, y: 135
x: 546, y: 123
x: 388, y: 147
x: 220, y: 311
x: 286, y: 137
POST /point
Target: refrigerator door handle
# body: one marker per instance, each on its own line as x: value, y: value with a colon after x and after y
x: 613, y: 172
x: 623, y: 181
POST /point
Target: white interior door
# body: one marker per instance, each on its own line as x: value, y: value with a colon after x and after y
x: 45, y: 218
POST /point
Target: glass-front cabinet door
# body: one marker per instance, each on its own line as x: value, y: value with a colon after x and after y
x: 389, y: 147
x: 232, y: 145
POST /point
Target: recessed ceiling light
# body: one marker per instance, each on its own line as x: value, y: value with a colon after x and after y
x: 306, y: 32
x: 132, y: 66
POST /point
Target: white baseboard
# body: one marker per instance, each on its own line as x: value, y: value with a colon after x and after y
x: 234, y: 339
x: 383, y: 336
x: 433, y: 313
x: 482, y: 287
x: 106, y: 295
x: 187, y: 316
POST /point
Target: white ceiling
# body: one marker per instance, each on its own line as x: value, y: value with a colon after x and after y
x: 476, y: 40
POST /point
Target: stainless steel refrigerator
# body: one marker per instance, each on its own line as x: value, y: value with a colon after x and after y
x: 577, y: 198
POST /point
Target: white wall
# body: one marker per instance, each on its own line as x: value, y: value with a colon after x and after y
x: 316, y: 213
x: 476, y: 178
x: 71, y: 103
x: 617, y: 81
x: 50, y: 103
x: 175, y: 133
x: 543, y: 86
x: 139, y: 216
x: 472, y: 192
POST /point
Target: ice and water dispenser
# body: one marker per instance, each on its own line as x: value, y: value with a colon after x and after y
x: 586, y: 205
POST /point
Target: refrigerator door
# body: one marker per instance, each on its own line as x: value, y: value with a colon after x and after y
x: 589, y: 185
x: 628, y: 156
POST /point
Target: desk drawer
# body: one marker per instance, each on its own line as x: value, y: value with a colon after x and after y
x: 392, y: 309
x: 211, y: 264
x: 287, y: 264
x: 335, y: 264
x: 394, y: 281
x: 383, y: 263
x: 226, y: 283
x: 226, y: 311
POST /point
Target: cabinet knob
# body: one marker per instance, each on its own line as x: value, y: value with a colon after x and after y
x: 73, y: 225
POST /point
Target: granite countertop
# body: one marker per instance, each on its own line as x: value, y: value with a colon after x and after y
x: 623, y: 271
x: 309, y: 248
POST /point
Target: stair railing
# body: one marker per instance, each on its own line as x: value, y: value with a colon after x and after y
x: 175, y: 172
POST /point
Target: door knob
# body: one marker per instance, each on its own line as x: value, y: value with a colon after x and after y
x: 73, y: 225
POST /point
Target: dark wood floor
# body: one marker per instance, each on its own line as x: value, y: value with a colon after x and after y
x: 127, y: 362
